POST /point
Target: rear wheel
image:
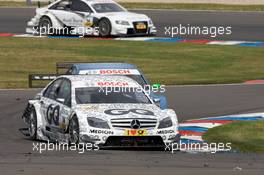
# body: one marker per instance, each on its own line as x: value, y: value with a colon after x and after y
x: 74, y: 130
x: 104, y: 27
x: 33, y: 124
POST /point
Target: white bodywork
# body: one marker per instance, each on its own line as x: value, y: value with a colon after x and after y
x: 85, y: 23
x: 112, y: 113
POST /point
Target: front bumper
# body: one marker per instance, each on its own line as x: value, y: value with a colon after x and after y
x: 133, y: 32
x: 117, y: 138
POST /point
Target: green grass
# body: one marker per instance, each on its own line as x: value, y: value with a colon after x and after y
x: 167, y: 63
x: 180, y: 6
x: 244, y: 136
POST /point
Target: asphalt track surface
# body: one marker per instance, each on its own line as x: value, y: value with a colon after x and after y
x: 17, y: 155
x: 247, y: 26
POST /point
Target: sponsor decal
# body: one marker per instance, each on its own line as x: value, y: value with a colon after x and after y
x: 115, y: 71
x: 88, y: 22
x: 110, y: 72
x: 112, y: 84
x: 124, y: 111
x: 165, y: 132
x: 37, y: 77
x: 134, y: 132
x: 72, y: 21
x: 95, y: 131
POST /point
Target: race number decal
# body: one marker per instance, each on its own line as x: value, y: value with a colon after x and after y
x: 124, y: 111
x: 53, y: 114
x: 49, y: 114
x: 56, y: 115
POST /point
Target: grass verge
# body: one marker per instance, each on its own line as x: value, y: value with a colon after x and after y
x: 167, y: 63
x: 245, y: 136
x: 179, y: 6
x: 182, y: 6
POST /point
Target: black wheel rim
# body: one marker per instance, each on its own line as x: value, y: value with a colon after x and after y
x: 104, y: 28
x: 74, y: 132
x: 44, y: 26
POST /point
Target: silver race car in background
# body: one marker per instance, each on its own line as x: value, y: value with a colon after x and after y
x: 89, y: 17
x: 81, y: 109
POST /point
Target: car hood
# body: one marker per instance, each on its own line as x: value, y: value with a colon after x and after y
x: 112, y: 111
x: 129, y: 16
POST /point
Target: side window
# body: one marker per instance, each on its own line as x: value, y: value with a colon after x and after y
x: 78, y: 5
x: 64, y: 92
x: 62, y: 5
x: 52, y: 90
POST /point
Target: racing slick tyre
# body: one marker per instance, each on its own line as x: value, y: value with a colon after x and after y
x: 104, y: 27
x: 33, y: 124
x: 74, y: 130
x: 45, y: 25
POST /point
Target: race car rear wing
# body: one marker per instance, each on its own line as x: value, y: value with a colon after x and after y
x: 40, y: 77
x: 64, y: 66
x: 68, y: 65
x: 48, y: 77
x: 61, y: 69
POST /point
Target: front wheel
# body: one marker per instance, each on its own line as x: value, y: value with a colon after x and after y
x: 74, y: 131
x: 33, y: 124
x: 45, y: 26
x: 104, y: 27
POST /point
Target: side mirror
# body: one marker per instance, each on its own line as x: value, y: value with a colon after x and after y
x: 60, y: 100
x: 157, y: 101
x: 38, y: 96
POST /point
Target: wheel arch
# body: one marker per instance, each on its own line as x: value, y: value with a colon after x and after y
x: 34, y: 104
x: 74, y: 114
x: 53, y: 19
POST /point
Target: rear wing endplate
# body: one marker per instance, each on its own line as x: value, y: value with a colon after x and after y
x: 40, y: 77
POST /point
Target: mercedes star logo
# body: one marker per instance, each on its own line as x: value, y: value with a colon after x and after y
x: 135, y: 124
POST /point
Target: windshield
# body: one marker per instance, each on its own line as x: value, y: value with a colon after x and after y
x: 139, y: 79
x: 98, y: 95
x: 107, y: 7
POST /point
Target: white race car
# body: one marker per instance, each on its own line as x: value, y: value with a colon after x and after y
x: 89, y: 17
x: 83, y: 109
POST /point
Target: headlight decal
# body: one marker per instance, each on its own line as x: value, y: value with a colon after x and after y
x: 165, y: 123
x: 97, y: 123
x: 121, y: 22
